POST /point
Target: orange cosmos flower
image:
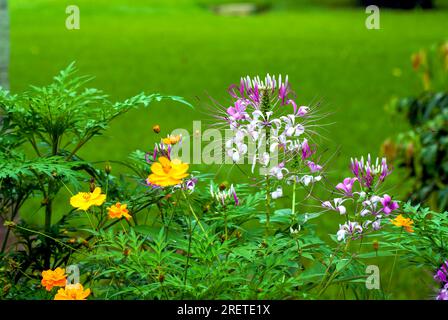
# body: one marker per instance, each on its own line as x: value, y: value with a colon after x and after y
x: 84, y: 200
x: 119, y: 211
x: 171, y: 140
x: 56, y: 278
x: 72, y: 292
x: 406, y: 223
x: 167, y: 172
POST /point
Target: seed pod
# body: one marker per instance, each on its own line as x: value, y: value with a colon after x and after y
x: 223, y: 186
x: 9, y: 224
x: 92, y: 184
x: 156, y: 128
x: 375, y: 245
x: 108, y: 168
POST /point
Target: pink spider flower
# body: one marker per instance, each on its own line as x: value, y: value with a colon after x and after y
x: 346, y: 186
x: 388, y: 204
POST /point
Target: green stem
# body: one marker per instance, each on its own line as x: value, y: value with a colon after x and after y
x: 188, y: 252
x: 90, y: 221
x: 49, y: 237
x: 225, y: 225
x: 194, y: 214
x: 5, y: 241
x: 268, y: 204
x: 293, y: 205
x: 393, y: 265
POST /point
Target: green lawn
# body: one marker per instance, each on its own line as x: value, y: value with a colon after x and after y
x: 328, y: 54
x: 182, y: 49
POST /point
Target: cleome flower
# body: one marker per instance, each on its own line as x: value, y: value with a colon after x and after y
x: 349, y: 229
x: 442, y: 277
x: 370, y: 206
x: 278, y: 193
x: 443, y: 293
x: 53, y: 278
x: 190, y: 184
x: 72, y: 292
x: 406, y: 223
x: 118, y: 211
x: 167, y: 172
x: 84, y: 200
x: 266, y: 130
x: 338, y: 207
x: 346, y: 186
x: 442, y: 274
x: 367, y: 171
x: 225, y: 196
x: 388, y: 204
x: 313, y: 166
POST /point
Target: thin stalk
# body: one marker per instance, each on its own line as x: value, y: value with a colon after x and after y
x: 393, y: 265
x: 188, y: 252
x: 194, y: 214
x: 293, y: 205
x: 225, y: 225
x: 49, y: 237
x: 268, y: 205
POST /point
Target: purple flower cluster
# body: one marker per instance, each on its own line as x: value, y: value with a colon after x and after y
x: 369, y: 208
x: 252, y: 90
x: 225, y: 197
x: 366, y: 171
x: 442, y: 277
x: 261, y: 116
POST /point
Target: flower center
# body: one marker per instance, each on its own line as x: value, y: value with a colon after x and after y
x: 166, y: 168
x: 86, y: 196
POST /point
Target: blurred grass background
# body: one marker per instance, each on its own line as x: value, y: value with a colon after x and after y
x: 181, y: 47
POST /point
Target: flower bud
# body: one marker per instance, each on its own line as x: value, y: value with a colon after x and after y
x: 92, y: 184
x: 223, y: 186
x: 108, y: 168
x: 375, y: 245
x: 156, y: 128
x: 9, y: 224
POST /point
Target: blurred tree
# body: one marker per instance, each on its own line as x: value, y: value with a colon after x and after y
x: 4, y: 61
x: 423, y: 150
x: 4, y: 43
x: 399, y: 4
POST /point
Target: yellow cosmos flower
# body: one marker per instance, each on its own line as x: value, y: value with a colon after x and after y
x: 171, y: 139
x: 72, y: 292
x: 167, y: 173
x: 84, y: 200
x: 406, y: 223
x: 119, y: 211
x: 56, y: 278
